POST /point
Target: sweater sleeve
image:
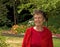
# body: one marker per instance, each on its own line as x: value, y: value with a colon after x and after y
x: 50, y: 41
x: 24, y: 39
x: 26, y: 36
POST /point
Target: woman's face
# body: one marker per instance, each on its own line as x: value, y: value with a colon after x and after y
x: 38, y: 19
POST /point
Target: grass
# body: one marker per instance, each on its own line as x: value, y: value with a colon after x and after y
x: 17, y: 41
x: 14, y: 41
x: 56, y: 42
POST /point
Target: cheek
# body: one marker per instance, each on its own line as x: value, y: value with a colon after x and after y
x: 39, y: 20
x: 35, y: 20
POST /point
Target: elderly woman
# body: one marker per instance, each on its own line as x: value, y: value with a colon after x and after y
x: 38, y: 35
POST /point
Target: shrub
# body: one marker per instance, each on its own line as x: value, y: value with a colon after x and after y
x: 58, y: 31
x: 21, y: 29
x: 53, y: 29
x: 17, y: 29
x: 30, y: 23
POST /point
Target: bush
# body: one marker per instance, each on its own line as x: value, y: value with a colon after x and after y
x: 30, y: 23
x: 17, y: 29
x: 4, y: 28
x: 21, y: 29
x: 58, y: 31
x: 54, y: 29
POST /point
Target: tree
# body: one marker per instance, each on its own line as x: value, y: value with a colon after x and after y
x: 6, y: 12
x: 3, y: 13
x: 52, y: 8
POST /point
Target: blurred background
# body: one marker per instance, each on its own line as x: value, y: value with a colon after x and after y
x: 16, y: 16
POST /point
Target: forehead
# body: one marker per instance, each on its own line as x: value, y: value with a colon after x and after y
x: 38, y: 15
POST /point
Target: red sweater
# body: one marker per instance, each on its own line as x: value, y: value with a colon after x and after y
x: 34, y: 38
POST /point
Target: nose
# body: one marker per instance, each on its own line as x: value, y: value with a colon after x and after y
x: 37, y: 19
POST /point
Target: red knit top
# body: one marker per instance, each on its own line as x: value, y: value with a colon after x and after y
x: 35, y: 38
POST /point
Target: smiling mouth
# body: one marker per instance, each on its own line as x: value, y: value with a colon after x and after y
x: 38, y: 22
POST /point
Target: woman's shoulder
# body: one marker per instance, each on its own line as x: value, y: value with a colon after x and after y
x: 47, y: 29
x: 29, y: 29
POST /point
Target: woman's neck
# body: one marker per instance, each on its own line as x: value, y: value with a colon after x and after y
x: 38, y: 28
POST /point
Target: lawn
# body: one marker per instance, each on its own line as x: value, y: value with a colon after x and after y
x: 17, y: 41
x: 14, y: 41
x: 56, y: 42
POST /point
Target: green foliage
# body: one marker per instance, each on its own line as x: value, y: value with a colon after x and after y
x: 3, y: 12
x: 23, y: 23
x: 21, y: 29
x: 53, y: 29
x: 4, y: 28
x: 58, y: 31
x: 46, y: 5
x: 25, y: 8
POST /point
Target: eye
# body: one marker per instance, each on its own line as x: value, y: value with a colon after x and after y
x: 39, y: 17
x: 35, y: 17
